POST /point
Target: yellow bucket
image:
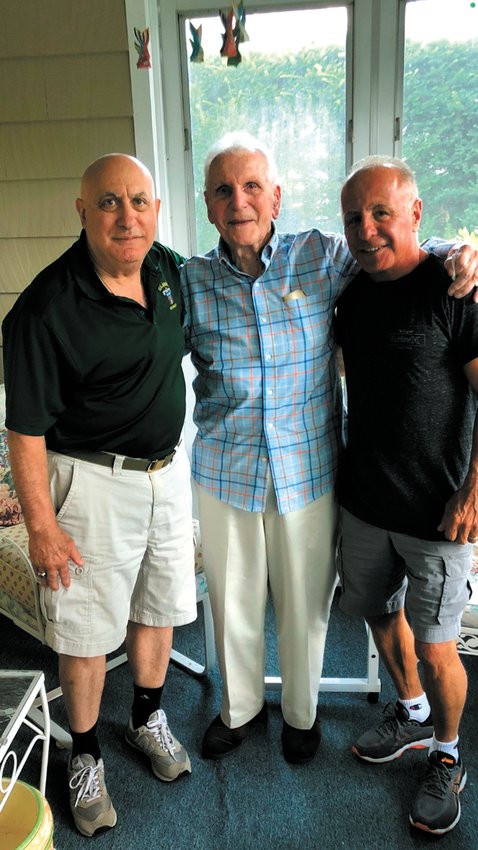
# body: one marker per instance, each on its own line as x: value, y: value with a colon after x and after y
x: 26, y: 821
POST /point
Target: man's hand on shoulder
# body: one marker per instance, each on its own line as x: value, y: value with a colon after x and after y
x: 462, y: 266
x: 50, y: 551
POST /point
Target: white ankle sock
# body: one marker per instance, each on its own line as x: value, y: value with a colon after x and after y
x: 418, y: 707
x: 450, y: 747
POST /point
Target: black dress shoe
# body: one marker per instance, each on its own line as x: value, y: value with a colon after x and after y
x: 219, y: 740
x: 300, y: 745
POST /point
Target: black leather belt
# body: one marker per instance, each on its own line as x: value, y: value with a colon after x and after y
x: 131, y: 463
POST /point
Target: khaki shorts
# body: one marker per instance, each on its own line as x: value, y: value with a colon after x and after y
x: 134, y: 532
x: 383, y: 571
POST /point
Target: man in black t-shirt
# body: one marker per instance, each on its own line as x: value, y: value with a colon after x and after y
x: 95, y: 401
x: 408, y: 476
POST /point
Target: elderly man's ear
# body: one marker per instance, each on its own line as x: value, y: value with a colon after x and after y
x: 277, y: 200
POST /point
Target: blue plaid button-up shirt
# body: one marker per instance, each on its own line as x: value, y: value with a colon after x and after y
x: 267, y: 394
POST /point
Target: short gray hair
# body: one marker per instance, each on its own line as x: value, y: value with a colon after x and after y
x: 240, y: 140
x: 377, y: 161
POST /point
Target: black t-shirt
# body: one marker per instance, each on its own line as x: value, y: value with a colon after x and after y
x: 411, y: 410
x: 90, y: 370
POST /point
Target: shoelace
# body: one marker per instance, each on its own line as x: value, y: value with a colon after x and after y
x: 437, y: 780
x: 87, y: 782
x: 389, y: 721
x: 162, y: 733
x: 392, y: 720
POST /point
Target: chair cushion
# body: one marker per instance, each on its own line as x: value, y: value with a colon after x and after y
x: 18, y: 589
x: 10, y: 510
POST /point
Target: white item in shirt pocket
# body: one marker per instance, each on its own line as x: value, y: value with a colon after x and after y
x: 294, y: 295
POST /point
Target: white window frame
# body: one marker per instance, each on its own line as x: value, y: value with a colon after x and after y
x: 161, y: 110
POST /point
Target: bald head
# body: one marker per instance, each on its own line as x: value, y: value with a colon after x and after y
x: 398, y: 167
x: 118, y: 211
x: 112, y: 162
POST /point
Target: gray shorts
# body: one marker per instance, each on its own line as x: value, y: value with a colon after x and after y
x: 134, y: 532
x: 383, y: 571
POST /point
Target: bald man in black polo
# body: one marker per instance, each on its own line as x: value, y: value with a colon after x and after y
x: 95, y: 407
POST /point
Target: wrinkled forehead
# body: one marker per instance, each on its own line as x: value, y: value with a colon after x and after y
x: 237, y: 165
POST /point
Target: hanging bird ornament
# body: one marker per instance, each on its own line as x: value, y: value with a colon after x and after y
x: 141, y: 45
x: 234, y: 23
x: 228, y: 44
x: 240, y: 33
x: 197, y: 54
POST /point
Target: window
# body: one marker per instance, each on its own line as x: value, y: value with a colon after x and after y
x: 440, y: 111
x: 290, y: 90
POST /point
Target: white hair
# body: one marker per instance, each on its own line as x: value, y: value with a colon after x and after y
x: 240, y: 140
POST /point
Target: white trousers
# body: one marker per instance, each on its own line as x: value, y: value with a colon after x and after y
x: 246, y: 553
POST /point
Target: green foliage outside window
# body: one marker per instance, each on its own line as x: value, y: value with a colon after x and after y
x: 303, y: 119
x: 441, y: 133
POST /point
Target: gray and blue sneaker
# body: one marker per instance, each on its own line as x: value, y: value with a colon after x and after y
x: 395, y: 734
x: 436, y: 807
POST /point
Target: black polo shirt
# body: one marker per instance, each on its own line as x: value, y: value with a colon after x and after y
x: 91, y: 370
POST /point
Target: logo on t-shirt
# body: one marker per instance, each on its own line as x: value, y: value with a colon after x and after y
x: 406, y: 339
x: 165, y: 289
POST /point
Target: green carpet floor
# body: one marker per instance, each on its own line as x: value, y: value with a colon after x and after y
x: 252, y: 800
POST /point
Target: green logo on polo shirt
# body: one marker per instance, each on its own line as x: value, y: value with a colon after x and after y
x: 165, y: 289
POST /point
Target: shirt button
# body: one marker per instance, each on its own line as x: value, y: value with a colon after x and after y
x: 79, y: 571
x: 268, y: 356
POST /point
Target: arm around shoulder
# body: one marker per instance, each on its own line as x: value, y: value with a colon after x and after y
x: 461, y: 263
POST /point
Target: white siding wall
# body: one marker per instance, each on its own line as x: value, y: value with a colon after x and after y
x: 65, y: 98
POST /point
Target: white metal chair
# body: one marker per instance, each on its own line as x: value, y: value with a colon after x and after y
x: 467, y: 642
x: 369, y: 684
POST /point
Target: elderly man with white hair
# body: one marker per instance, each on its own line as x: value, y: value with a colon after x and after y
x: 259, y: 311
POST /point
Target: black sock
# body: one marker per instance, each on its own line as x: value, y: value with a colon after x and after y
x: 146, y: 701
x: 85, y: 742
